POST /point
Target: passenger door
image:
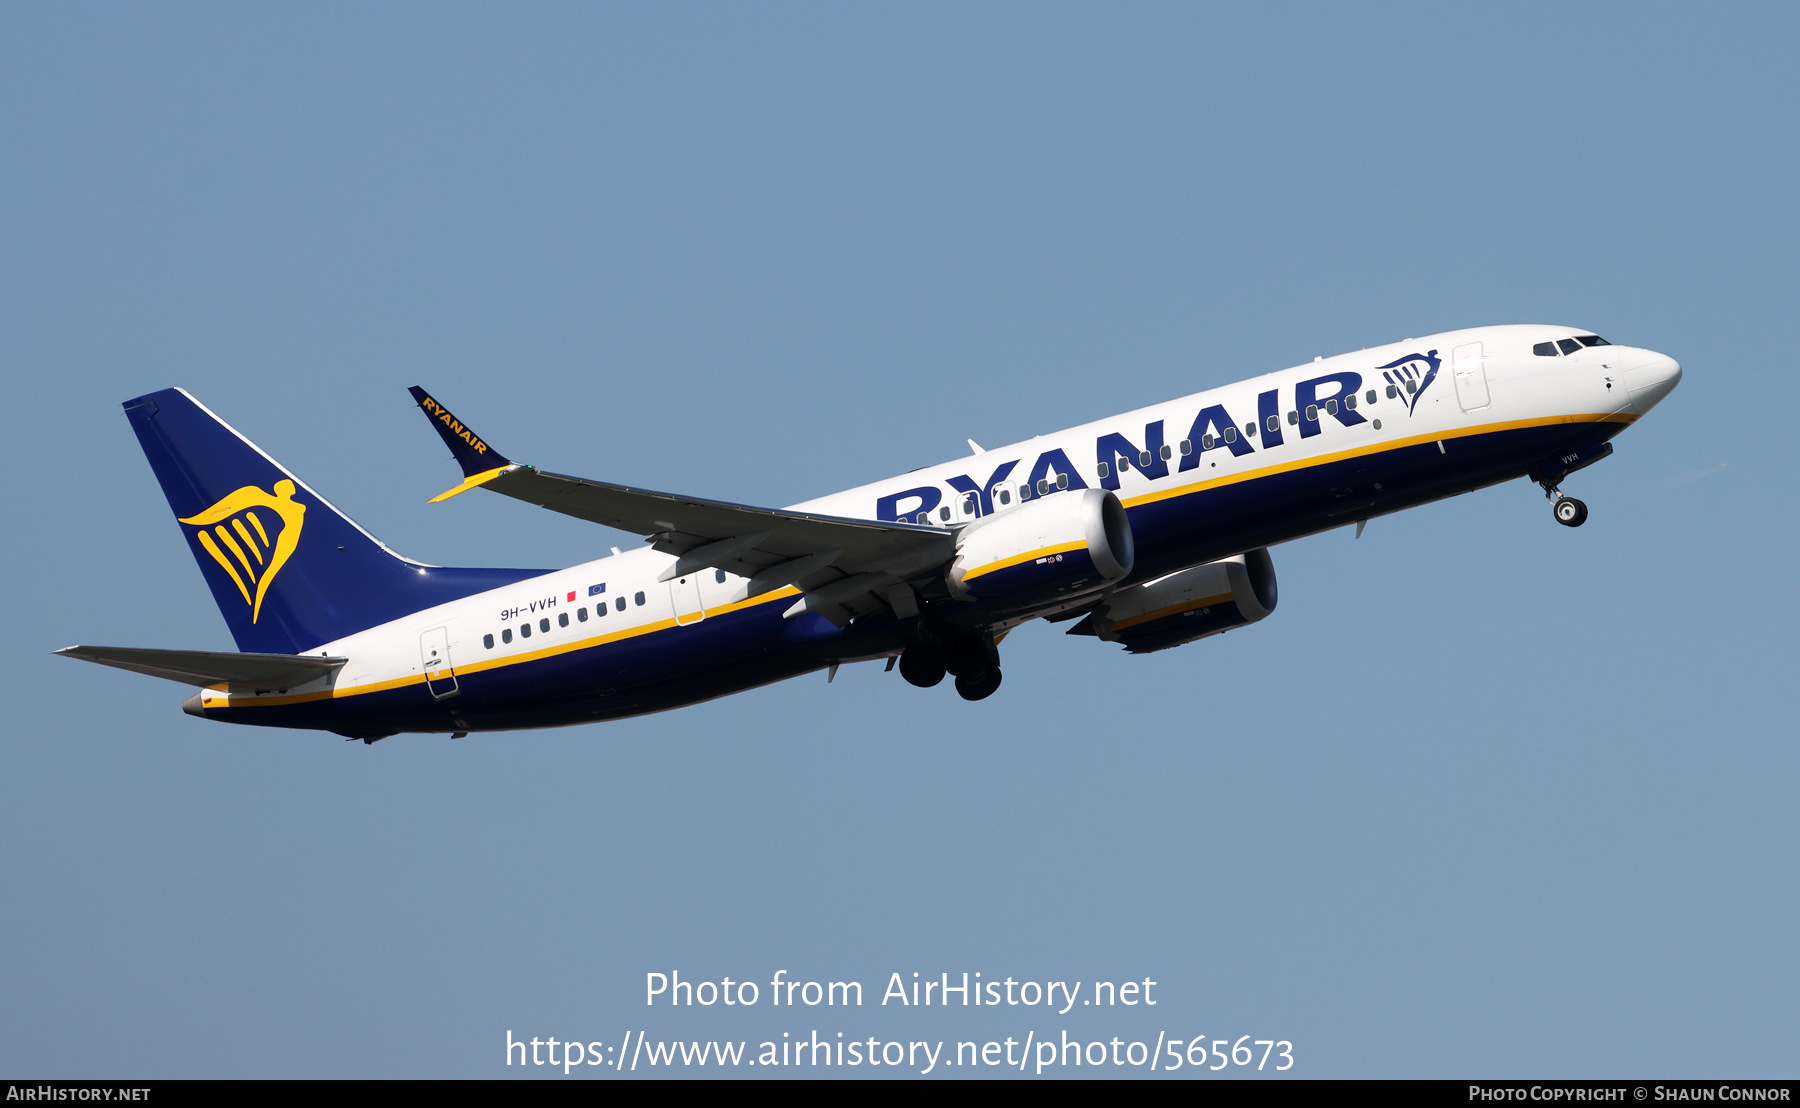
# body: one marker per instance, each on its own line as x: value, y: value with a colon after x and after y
x: 434, y: 656
x: 1471, y: 377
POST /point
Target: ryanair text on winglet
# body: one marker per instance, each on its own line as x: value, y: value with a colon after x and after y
x: 442, y: 415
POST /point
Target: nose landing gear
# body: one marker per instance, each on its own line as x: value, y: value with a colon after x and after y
x: 1549, y: 475
x: 1569, y: 511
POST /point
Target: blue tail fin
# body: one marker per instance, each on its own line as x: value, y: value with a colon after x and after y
x: 288, y: 570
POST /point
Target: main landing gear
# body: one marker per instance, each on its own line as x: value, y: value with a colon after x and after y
x: 973, y: 660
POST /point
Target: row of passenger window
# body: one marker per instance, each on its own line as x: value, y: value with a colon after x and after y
x: 1003, y: 495
x: 581, y: 616
x: 562, y: 620
x: 1567, y: 346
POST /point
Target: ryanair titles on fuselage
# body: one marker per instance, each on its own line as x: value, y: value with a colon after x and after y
x: 1338, y: 395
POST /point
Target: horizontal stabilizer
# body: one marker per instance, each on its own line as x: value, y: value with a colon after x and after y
x: 209, y: 667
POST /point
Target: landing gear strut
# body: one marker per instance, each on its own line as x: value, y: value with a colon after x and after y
x: 1568, y: 511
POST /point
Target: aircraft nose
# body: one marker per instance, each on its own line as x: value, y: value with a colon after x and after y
x: 1649, y: 382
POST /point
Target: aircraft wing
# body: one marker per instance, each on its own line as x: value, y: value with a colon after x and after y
x: 843, y: 566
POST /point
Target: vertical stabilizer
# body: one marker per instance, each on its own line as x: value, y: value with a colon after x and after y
x: 288, y: 570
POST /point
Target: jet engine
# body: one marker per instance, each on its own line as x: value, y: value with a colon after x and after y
x: 1043, y: 551
x: 1192, y: 604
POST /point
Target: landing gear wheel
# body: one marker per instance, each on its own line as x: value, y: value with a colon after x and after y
x: 1569, y: 512
x: 972, y: 656
x: 979, y: 686
x: 922, y: 666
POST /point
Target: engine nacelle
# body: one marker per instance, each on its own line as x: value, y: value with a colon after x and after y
x: 1185, y: 606
x: 1043, y: 551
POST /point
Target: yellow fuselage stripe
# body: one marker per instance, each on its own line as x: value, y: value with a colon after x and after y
x: 487, y: 663
x: 1373, y: 448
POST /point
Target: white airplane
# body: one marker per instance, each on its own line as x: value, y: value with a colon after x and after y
x: 1149, y: 528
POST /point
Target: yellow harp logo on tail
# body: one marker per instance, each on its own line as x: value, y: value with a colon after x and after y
x: 255, y: 555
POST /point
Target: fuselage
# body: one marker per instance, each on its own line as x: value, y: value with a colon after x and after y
x: 1207, y: 476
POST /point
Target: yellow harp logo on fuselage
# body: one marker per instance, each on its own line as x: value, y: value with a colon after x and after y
x: 255, y: 556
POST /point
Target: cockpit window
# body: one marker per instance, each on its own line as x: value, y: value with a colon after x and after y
x: 1569, y: 346
x: 1544, y: 350
x: 1591, y: 340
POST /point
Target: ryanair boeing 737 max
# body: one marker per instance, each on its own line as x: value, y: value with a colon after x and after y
x: 1148, y: 529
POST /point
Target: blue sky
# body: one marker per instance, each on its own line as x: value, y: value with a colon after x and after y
x: 1486, y: 796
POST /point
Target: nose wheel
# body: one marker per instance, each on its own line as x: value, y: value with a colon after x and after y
x: 1569, y: 511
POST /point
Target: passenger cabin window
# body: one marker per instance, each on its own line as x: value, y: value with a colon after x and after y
x: 1312, y: 413
x: 1231, y: 434
x: 1103, y: 470
x: 944, y: 513
x: 1005, y: 497
x: 506, y: 634
x: 1206, y: 441
x: 1294, y: 417
x: 544, y: 625
x: 1368, y: 396
x: 619, y: 603
x: 562, y: 619
x: 1187, y: 447
x: 1392, y: 392
x: 638, y: 600
x: 1331, y: 407
x: 1544, y: 350
x: 1249, y: 432
x: 1591, y: 340
x: 487, y: 641
x: 581, y: 614
x: 1062, y: 480
x: 1350, y: 401
x: 1569, y: 346
x: 1273, y: 423
x: 719, y: 576
x: 1024, y: 492
x: 1165, y: 453
x: 524, y: 630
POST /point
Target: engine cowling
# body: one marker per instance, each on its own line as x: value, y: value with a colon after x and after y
x: 1188, y: 605
x: 1043, y: 551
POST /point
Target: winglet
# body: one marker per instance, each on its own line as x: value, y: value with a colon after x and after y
x: 477, y: 458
